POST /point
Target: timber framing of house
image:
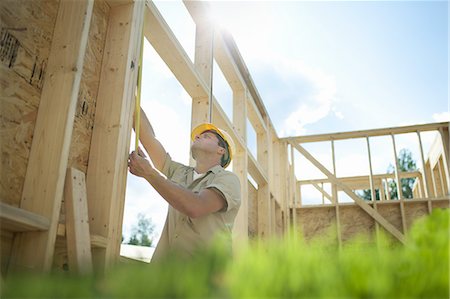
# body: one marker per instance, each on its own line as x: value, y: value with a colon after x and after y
x: 68, y: 79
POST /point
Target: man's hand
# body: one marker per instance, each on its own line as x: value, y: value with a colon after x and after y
x: 139, y: 165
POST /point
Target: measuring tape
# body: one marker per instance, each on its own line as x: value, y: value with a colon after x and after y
x: 137, y: 112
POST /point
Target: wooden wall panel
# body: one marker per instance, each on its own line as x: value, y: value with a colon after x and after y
x: 315, y: 221
x: 391, y: 212
x: 355, y: 221
x: 85, y: 110
x: 413, y: 211
x: 87, y: 98
x: 26, y: 33
x: 440, y: 204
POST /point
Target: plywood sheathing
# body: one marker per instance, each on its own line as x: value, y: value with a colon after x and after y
x: 26, y: 33
x: 441, y: 204
x: 315, y: 221
x: 87, y: 98
x: 414, y: 211
x: 355, y: 221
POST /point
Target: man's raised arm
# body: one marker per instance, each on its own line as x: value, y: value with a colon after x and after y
x: 152, y: 145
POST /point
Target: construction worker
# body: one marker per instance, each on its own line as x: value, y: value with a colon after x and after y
x: 203, y: 200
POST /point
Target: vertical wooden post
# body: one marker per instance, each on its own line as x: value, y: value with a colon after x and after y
x: 107, y: 170
x: 372, y: 188
x: 442, y: 179
x: 399, y: 186
x: 335, y: 196
x: 203, y: 63
x: 382, y: 192
x: 77, y: 223
x: 425, y: 174
x: 293, y: 181
x: 444, y: 132
x: 240, y: 166
x: 44, y: 180
x: 265, y: 213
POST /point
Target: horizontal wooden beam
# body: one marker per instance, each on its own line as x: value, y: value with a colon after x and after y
x: 367, y: 133
x: 410, y: 174
x: 97, y: 241
x: 19, y: 220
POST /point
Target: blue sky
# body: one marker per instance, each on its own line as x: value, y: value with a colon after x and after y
x: 320, y: 67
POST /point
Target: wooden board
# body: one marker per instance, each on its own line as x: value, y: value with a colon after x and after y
x: 315, y: 222
x: 355, y: 222
x: 107, y: 171
x: 27, y: 27
x: 77, y: 223
x: 252, y: 211
x: 413, y: 211
x: 44, y: 179
x: 87, y: 97
x: 440, y: 204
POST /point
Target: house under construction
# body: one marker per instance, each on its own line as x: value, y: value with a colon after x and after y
x: 68, y: 81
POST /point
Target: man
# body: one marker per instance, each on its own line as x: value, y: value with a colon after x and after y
x: 203, y: 200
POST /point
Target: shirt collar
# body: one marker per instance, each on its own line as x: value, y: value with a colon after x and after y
x: 214, y: 169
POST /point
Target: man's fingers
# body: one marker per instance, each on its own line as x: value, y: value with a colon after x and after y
x: 141, y: 152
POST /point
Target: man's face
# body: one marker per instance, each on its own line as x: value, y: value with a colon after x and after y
x: 206, y: 142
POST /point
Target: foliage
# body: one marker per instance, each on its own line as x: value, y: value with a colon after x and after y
x: 142, y: 234
x: 288, y: 268
x: 406, y: 163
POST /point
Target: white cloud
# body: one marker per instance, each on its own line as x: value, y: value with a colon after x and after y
x: 314, y: 106
x: 441, y: 117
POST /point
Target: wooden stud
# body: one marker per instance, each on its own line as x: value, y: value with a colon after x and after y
x: 336, y: 199
x: 77, y: 223
x: 372, y: 189
x: 397, y: 170
x: 368, y: 209
x: 445, y: 139
x: 425, y: 174
x: 240, y: 167
x: 293, y: 186
x: 107, y: 169
x: 399, y: 185
x: 44, y: 180
x: 324, y: 194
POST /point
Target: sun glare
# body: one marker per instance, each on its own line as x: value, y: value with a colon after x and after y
x: 250, y: 24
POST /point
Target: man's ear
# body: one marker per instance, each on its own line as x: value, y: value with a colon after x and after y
x: 221, y: 150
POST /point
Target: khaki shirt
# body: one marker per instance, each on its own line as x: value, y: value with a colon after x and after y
x: 184, y: 234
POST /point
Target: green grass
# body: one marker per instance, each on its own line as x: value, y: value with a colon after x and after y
x: 274, y: 269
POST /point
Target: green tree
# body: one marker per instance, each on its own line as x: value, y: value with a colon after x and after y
x: 142, y: 233
x: 405, y: 163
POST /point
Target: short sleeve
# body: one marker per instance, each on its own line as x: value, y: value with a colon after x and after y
x: 170, y: 167
x: 229, y: 185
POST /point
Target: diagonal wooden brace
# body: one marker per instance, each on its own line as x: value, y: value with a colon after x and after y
x: 366, y: 207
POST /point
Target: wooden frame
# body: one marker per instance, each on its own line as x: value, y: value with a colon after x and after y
x: 44, y: 181
x: 39, y: 218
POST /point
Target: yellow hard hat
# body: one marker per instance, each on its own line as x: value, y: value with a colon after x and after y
x: 223, y: 134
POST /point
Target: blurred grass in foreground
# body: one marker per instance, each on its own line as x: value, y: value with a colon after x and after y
x: 274, y: 269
